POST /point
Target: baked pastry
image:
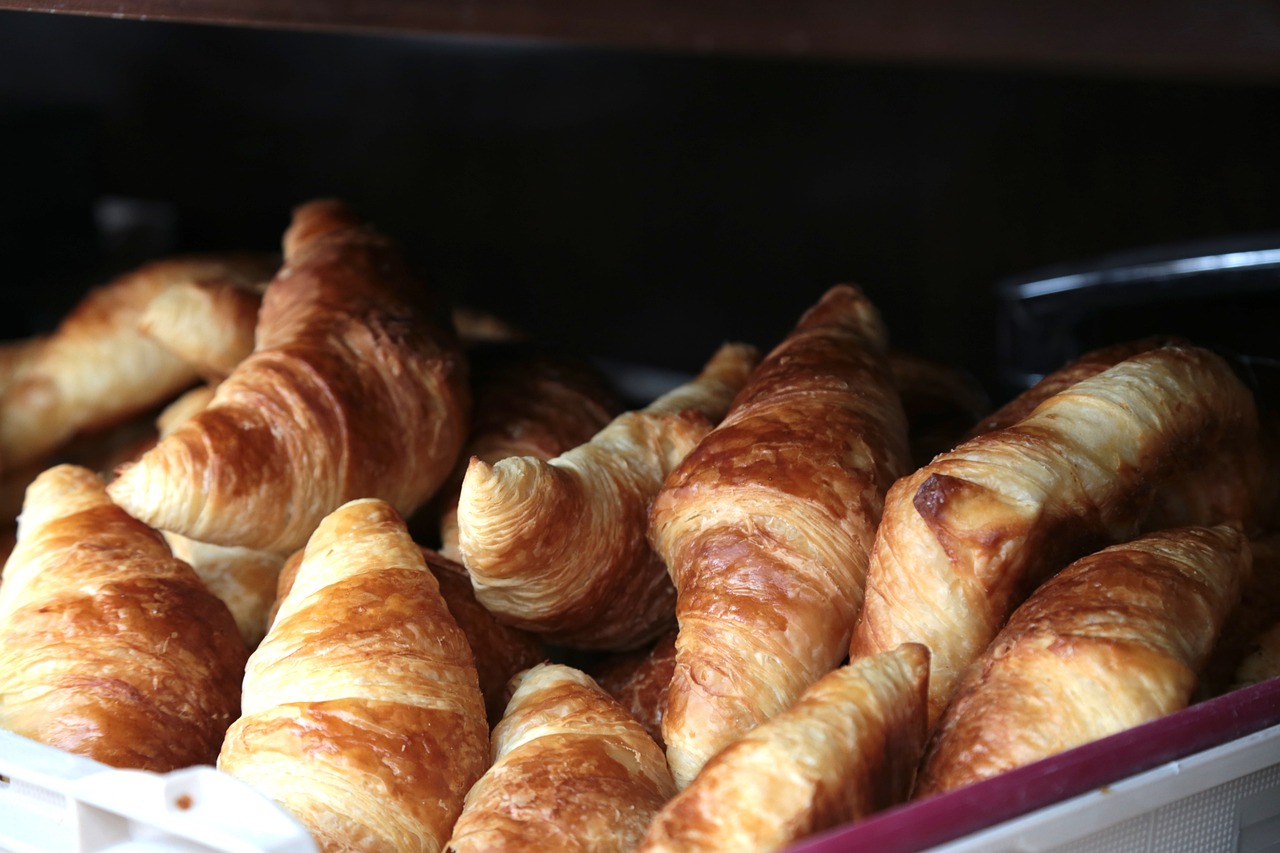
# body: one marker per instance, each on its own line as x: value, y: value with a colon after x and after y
x: 352, y: 391
x: 1112, y: 641
x: 208, y: 324
x: 846, y: 749
x: 571, y: 771
x: 966, y: 538
x: 96, y: 368
x: 767, y: 526
x: 109, y: 647
x: 526, y: 402
x: 362, y: 715
x: 499, y: 651
x: 640, y: 679
x: 558, y: 547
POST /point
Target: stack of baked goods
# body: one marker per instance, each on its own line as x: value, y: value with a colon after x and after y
x: 429, y: 589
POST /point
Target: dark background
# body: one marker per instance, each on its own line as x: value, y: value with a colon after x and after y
x: 639, y: 206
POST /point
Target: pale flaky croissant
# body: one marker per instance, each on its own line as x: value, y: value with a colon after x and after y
x: 97, y: 368
x: 526, y: 402
x: 558, y: 547
x: 362, y: 714
x: 353, y: 390
x: 846, y: 749
x: 571, y: 771
x: 110, y: 647
x: 767, y: 526
x: 208, y: 324
x: 1114, y: 640
x: 966, y: 538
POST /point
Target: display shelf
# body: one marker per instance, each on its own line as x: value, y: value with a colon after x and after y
x: 1181, y: 37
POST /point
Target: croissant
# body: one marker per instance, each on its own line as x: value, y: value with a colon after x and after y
x: 350, y: 392
x: 966, y: 538
x: 208, y: 324
x: 1112, y: 641
x: 558, y: 547
x: 846, y: 749
x: 571, y: 771
x: 362, y: 714
x: 526, y: 402
x: 96, y: 368
x: 109, y: 647
x: 639, y: 680
x: 499, y: 650
x: 767, y: 526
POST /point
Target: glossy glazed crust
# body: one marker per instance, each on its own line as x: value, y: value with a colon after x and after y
x: 110, y: 647
x: 352, y: 391
x: 767, y: 526
x: 1112, y: 641
x: 558, y: 547
x: 640, y: 680
x: 526, y: 402
x: 208, y: 324
x: 572, y: 771
x: 846, y: 749
x: 96, y: 368
x: 966, y: 538
x: 362, y: 713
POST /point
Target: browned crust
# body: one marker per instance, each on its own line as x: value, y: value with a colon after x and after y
x: 110, y: 647
x: 766, y: 526
x: 640, y: 680
x: 1112, y: 641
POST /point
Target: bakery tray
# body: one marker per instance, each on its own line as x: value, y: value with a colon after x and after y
x: 1204, y: 778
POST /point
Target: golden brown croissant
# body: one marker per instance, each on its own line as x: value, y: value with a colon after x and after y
x: 639, y: 680
x: 846, y: 749
x: 966, y: 538
x: 767, y: 526
x: 571, y: 771
x: 97, y: 368
x: 526, y: 402
x: 362, y: 714
x: 208, y: 324
x: 558, y: 547
x: 110, y: 647
x: 1112, y: 641
x: 499, y: 650
x: 351, y: 392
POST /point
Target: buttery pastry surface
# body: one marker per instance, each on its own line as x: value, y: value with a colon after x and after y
x: 526, y: 402
x: 109, y: 646
x: 846, y: 749
x: 208, y: 324
x: 558, y: 547
x: 571, y: 771
x: 640, y: 679
x: 1112, y: 641
x: 352, y: 391
x: 362, y: 713
x: 97, y: 368
x: 966, y: 538
x: 767, y: 526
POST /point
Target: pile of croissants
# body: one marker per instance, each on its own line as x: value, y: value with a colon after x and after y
x: 431, y: 586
